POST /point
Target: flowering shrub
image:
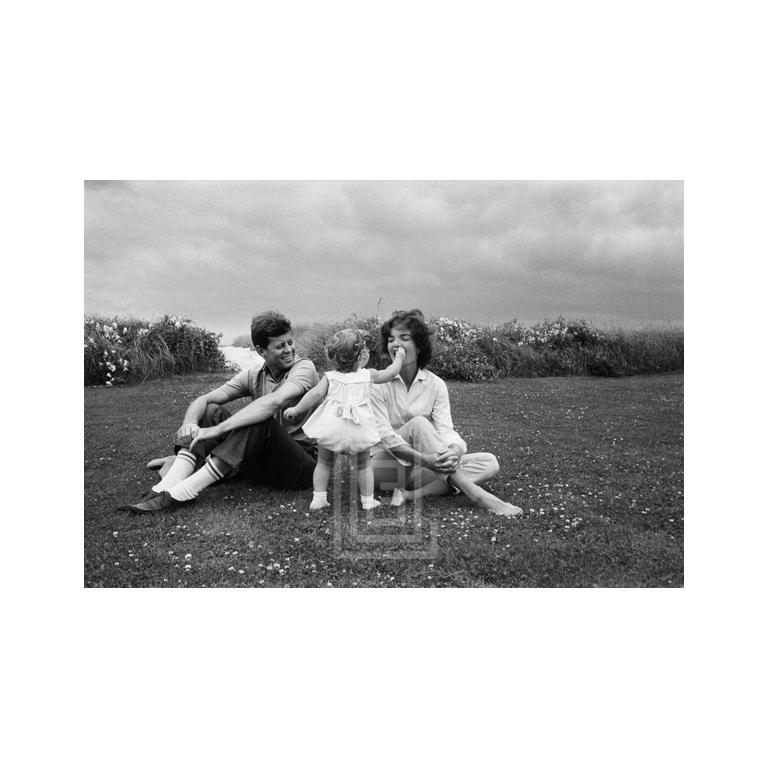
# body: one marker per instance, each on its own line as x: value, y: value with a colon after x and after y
x: 552, y: 334
x: 105, y: 353
x: 552, y: 348
x: 122, y: 351
x: 457, y: 353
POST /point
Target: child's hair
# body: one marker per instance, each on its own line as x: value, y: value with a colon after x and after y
x: 368, y: 340
x: 344, y: 349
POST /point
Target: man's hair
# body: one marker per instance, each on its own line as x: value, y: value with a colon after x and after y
x: 268, y: 325
x: 413, y: 320
x: 344, y: 349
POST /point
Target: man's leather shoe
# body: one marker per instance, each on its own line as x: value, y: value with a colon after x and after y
x: 162, y: 502
x: 150, y: 494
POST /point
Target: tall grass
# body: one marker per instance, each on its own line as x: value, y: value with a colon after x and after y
x: 466, y: 351
x: 311, y: 340
x: 126, y: 350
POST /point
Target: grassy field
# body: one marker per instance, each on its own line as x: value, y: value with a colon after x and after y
x: 597, y: 465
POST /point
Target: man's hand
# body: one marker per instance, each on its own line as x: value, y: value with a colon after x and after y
x: 203, y: 433
x: 186, y: 434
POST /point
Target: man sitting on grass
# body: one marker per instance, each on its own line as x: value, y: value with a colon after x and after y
x: 212, y: 445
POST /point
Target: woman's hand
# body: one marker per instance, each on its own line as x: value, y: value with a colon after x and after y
x: 429, y: 460
x: 448, y: 460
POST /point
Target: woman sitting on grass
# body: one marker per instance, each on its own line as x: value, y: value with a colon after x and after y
x: 344, y: 423
x: 418, y: 440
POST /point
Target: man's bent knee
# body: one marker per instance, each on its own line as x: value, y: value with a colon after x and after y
x: 212, y: 414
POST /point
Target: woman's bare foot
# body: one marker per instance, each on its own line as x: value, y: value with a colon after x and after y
x: 483, y: 498
x: 503, y: 508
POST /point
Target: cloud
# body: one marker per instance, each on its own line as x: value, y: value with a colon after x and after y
x: 489, y: 251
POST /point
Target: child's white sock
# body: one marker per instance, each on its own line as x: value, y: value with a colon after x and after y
x: 368, y: 502
x: 182, y: 467
x: 188, y: 489
x: 319, y: 500
x: 398, y: 498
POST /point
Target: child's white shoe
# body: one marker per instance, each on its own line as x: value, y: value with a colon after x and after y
x: 398, y: 498
x: 368, y: 502
x: 319, y: 500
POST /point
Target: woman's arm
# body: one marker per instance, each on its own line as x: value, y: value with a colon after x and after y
x: 311, y: 400
x: 441, y: 418
x: 391, y: 371
x: 390, y: 439
x: 413, y: 457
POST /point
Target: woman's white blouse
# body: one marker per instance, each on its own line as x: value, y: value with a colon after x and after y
x: 394, y: 404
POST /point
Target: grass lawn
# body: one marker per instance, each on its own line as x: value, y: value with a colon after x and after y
x: 597, y: 465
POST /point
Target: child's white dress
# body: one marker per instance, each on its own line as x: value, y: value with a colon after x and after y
x: 344, y: 421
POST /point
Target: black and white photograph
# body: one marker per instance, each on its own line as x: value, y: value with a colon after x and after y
x: 421, y: 391
x: 384, y: 384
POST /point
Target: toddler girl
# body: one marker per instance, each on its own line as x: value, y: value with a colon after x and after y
x: 345, y: 421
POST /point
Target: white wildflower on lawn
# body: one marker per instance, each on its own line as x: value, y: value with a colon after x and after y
x: 188, y: 556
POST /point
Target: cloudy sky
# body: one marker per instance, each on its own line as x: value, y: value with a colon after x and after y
x: 609, y: 252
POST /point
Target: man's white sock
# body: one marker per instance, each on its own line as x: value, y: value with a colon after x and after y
x: 183, y: 466
x: 188, y: 489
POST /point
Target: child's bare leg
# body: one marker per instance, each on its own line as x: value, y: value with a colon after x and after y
x: 362, y: 463
x: 321, y: 477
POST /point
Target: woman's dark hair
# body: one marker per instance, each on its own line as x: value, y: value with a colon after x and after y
x: 268, y: 325
x: 413, y: 320
x: 344, y: 349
